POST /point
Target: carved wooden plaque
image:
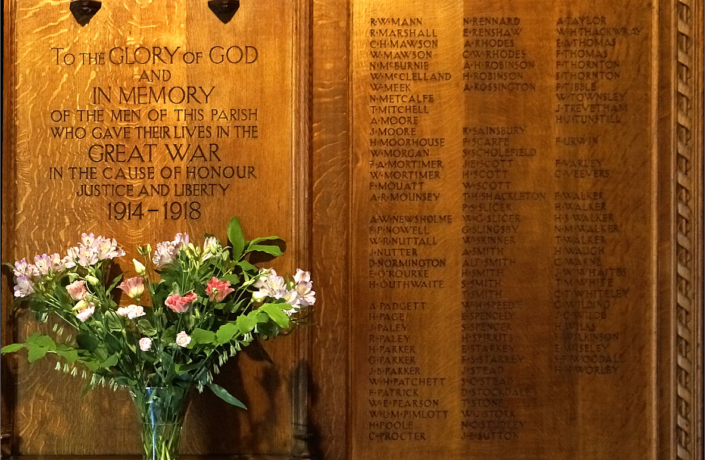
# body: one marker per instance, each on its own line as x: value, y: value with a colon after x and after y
x: 524, y: 223
x: 136, y: 121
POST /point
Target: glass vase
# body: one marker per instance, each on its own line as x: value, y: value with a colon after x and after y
x: 161, y: 412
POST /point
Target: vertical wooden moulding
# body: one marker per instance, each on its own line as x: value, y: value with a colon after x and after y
x: 681, y: 230
x: 330, y: 228
x: 301, y: 218
x: 8, y: 138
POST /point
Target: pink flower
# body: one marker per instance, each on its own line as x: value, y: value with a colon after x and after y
x: 145, y: 344
x: 183, y: 339
x: 302, y: 276
x: 86, y: 313
x: 217, y: 290
x: 77, y: 290
x: 22, y: 268
x: 133, y: 287
x: 43, y: 264
x: 24, y: 287
x: 167, y: 251
x: 179, y: 304
x: 105, y: 248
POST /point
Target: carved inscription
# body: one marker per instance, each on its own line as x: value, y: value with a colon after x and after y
x: 501, y: 180
x: 153, y: 147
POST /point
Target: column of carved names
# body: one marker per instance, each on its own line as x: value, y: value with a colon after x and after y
x: 495, y: 209
x: 406, y: 271
x: 592, y: 101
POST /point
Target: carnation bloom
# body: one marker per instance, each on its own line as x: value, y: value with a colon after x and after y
x: 77, y: 290
x: 217, y: 290
x: 145, y: 344
x: 24, y: 287
x: 86, y: 313
x: 183, y: 339
x: 131, y: 311
x: 179, y: 304
x: 133, y: 287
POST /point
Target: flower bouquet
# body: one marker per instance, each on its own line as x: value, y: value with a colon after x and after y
x: 191, y: 309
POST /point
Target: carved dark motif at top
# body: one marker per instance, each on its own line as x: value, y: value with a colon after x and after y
x: 224, y: 9
x: 84, y: 10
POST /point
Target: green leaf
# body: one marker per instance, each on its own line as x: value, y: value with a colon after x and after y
x: 201, y: 336
x: 37, y: 353
x: 42, y: 341
x: 223, y: 394
x: 69, y: 354
x: 113, y: 321
x: 274, y: 310
x: 233, y: 278
x: 226, y: 332
x: 271, y: 250
x: 246, y: 323
x: 110, y: 362
x: 237, y: 239
x: 12, y: 348
x: 146, y: 328
x: 183, y: 368
x: 87, y: 342
x: 115, y: 282
x: 266, y: 238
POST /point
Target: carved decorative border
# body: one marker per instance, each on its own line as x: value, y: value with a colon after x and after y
x: 688, y: 316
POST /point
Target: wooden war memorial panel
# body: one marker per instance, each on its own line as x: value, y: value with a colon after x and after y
x: 153, y: 119
x: 507, y: 228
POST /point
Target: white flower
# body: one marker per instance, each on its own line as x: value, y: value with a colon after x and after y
x: 167, y: 251
x: 164, y: 254
x: 131, y: 311
x: 145, y: 344
x: 271, y: 286
x: 302, y: 276
x: 71, y: 257
x: 105, y: 248
x: 210, y: 247
x: 86, y: 313
x: 87, y: 257
x: 305, y: 296
x: 24, y: 287
x: 181, y: 240
x: 183, y: 339
x: 87, y: 239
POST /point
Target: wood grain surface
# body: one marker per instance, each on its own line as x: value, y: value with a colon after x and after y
x: 499, y: 335
x: 155, y: 119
